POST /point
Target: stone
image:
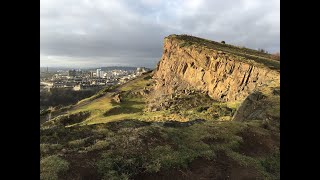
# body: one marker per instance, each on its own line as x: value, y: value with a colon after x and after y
x: 116, y: 98
x: 224, y: 79
x: 252, y: 108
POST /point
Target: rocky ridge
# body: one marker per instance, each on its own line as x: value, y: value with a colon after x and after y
x: 222, y: 75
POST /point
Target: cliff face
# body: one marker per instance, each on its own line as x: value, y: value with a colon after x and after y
x: 224, y: 76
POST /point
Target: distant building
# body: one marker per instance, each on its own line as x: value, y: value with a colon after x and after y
x: 72, y: 73
x: 98, y: 72
x: 79, y: 72
x: 141, y: 69
x: 81, y: 87
x: 91, y: 74
x: 101, y: 74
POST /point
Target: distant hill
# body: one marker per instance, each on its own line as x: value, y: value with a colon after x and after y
x: 110, y: 68
x: 53, y: 69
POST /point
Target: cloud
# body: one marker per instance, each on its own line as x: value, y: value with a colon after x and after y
x: 113, y: 32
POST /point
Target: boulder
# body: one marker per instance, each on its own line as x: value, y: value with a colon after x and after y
x: 117, y: 98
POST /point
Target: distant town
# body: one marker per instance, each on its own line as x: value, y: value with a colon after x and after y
x: 88, y: 79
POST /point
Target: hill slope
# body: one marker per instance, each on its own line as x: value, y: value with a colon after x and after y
x: 169, y: 125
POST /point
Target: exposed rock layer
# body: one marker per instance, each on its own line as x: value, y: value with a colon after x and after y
x: 222, y: 75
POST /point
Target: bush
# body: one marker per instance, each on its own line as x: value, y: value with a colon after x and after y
x: 75, y: 118
x: 148, y: 77
x: 64, y: 120
x: 166, y: 157
x: 63, y: 97
x: 99, y: 144
x: 44, y: 112
x: 52, y: 166
x: 78, y: 143
x: 49, y: 148
x: 223, y: 42
x: 115, y: 166
x: 272, y: 164
x: 219, y: 110
x: 262, y: 50
x: 200, y: 109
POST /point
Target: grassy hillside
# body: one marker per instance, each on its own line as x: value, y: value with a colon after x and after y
x: 194, y: 138
x: 133, y: 149
x: 133, y: 106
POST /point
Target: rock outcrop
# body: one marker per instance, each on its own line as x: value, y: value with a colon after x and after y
x: 261, y: 105
x: 116, y: 98
x: 222, y: 75
x: 252, y: 108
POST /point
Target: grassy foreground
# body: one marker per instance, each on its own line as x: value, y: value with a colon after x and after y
x: 132, y: 148
x: 100, y: 138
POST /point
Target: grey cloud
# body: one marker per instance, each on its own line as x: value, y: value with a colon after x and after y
x: 132, y: 32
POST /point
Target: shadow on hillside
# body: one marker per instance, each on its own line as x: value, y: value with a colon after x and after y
x: 126, y: 103
x: 126, y: 123
x: 133, y: 123
x: 173, y: 123
x: 121, y: 110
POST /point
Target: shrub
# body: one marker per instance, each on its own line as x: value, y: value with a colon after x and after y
x: 262, y: 50
x: 272, y: 164
x: 115, y: 166
x: 78, y: 143
x: 201, y: 108
x: 219, y: 110
x: 99, y: 144
x: 49, y: 148
x: 69, y: 119
x: 148, y: 77
x: 52, y: 166
x: 75, y: 118
x: 44, y: 112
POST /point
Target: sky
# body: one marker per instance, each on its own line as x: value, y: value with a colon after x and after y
x: 93, y: 33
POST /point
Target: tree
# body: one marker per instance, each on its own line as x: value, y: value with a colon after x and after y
x: 223, y: 42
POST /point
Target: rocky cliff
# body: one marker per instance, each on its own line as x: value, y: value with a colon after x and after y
x: 224, y: 72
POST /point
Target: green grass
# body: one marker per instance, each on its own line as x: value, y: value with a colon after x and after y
x: 101, y: 93
x: 132, y: 106
x: 98, y: 145
x: 132, y: 147
x: 127, y: 140
x: 174, y: 148
x: 104, y: 110
x: 52, y: 166
x: 78, y: 142
x: 67, y: 119
x: 50, y: 148
x: 128, y: 157
x: 271, y: 164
